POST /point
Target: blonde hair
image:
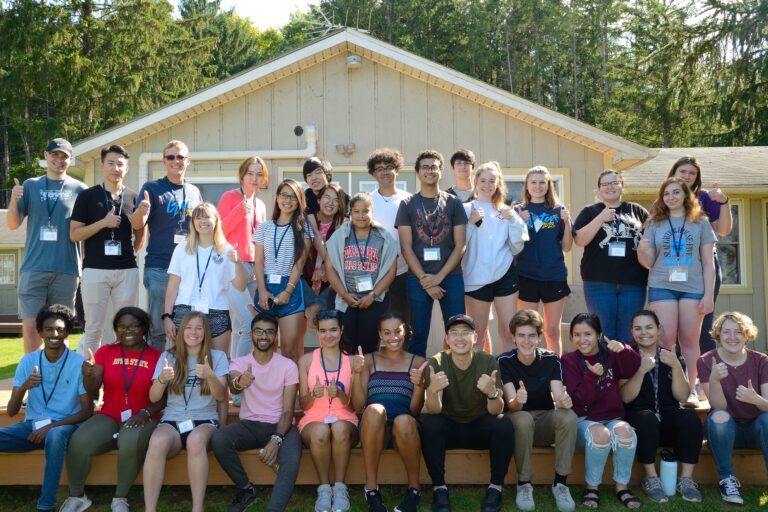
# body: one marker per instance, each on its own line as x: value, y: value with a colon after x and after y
x: 747, y: 326
x: 178, y: 145
x: 181, y: 365
x: 193, y: 240
x: 550, y: 199
x: 498, y: 196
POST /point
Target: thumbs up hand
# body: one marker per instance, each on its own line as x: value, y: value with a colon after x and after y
x: 475, y: 214
x: 33, y: 380
x: 357, y: 361
x: 522, y: 393
x: 17, y: 191
x: 719, y: 371
x: 246, y: 378
x: 88, y: 364
x: 417, y: 374
x: 167, y: 374
x: 319, y: 389
x: 232, y: 254
x: 716, y: 194
x: 437, y: 381
x: 487, y: 383
x: 647, y: 363
x: 615, y: 346
x: 144, y: 205
x: 748, y: 394
x: 596, y: 368
x: 203, y: 371
x: 111, y: 220
x: 524, y: 214
x: 333, y: 390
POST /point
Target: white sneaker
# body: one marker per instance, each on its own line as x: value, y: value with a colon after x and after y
x: 75, y: 504
x: 563, y: 498
x: 524, y: 498
x: 120, y: 505
x: 340, y: 497
x: 324, y: 496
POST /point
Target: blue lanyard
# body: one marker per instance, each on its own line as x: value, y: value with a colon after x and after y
x: 47, y: 399
x: 274, y: 238
x: 677, y: 243
x: 127, y: 383
x: 337, y: 371
x: 427, y: 225
x: 182, y: 212
x: 197, y: 260
x: 55, y: 202
x: 361, y: 255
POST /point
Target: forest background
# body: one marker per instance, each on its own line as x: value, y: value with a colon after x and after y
x: 663, y: 73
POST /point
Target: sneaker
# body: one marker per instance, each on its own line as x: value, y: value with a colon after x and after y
x: 120, y: 505
x: 324, y: 498
x: 692, y: 402
x: 340, y: 497
x: 374, y: 500
x: 563, y: 498
x: 243, y: 499
x: 729, y: 490
x: 492, y: 500
x: 689, y: 489
x: 653, y: 489
x: 410, y: 501
x: 440, y: 500
x: 524, y: 498
x: 75, y: 504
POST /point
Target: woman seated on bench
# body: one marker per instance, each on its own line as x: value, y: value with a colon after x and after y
x: 735, y: 379
x: 329, y: 425
x: 127, y: 418
x: 193, y: 377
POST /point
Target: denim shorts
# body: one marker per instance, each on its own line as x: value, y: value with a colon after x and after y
x: 295, y: 304
x: 665, y: 295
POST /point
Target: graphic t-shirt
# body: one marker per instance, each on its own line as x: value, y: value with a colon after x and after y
x: 361, y: 260
x: 545, y: 367
x: 432, y: 220
x: 625, y: 233
x: 91, y: 206
x: 263, y: 399
x: 385, y: 213
x: 215, y: 272
x: 49, y: 202
x: 542, y: 256
x: 135, y: 375
x: 58, y: 395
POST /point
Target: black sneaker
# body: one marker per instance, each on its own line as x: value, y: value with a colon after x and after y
x: 243, y: 499
x: 374, y: 500
x: 440, y: 500
x: 492, y: 501
x: 410, y: 502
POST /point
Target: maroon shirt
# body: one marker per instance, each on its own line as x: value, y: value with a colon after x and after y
x: 754, y: 368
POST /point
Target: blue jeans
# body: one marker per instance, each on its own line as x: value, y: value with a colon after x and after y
x: 614, y: 304
x: 724, y: 437
x: 155, y: 282
x: 596, y: 455
x: 240, y: 314
x: 451, y: 304
x: 13, y: 438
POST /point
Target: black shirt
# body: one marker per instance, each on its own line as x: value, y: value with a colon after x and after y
x: 646, y: 398
x: 596, y: 264
x: 91, y: 206
x: 536, y: 377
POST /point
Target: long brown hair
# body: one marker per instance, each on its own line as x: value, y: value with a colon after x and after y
x: 660, y: 211
x: 298, y: 219
x: 243, y: 169
x: 338, y: 218
x: 550, y: 200
x: 688, y: 160
x: 181, y: 365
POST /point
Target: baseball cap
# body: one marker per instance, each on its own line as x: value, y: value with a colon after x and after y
x: 59, y: 144
x: 460, y: 319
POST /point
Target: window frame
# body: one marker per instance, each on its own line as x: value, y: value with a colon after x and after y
x: 745, y: 277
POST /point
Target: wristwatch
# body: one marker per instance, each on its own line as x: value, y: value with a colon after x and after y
x: 166, y: 315
x: 494, y: 396
x: 374, y: 295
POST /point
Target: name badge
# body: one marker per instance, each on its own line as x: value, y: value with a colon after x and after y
x: 678, y: 274
x: 200, y: 306
x: 364, y: 283
x: 180, y: 235
x: 42, y: 423
x: 125, y: 415
x: 273, y: 278
x: 112, y: 248
x: 431, y: 254
x: 330, y: 419
x: 617, y: 249
x: 48, y: 234
x: 185, y: 426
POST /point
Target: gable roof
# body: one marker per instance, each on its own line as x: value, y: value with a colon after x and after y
x: 624, y: 153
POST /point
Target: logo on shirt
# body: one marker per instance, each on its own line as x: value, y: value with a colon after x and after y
x: 53, y: 195
x: 133, y: 361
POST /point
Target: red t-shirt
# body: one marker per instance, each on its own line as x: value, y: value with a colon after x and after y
x: 111, y: 359
x: 755, y: 368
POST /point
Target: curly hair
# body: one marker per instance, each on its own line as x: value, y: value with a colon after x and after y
x: 386, y: 156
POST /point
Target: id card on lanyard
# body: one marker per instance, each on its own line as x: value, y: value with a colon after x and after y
x: 187, y: 425
x: 112, y: 247
x: 679, y: 272
x: 126, y: 413
x: 46, y: 397
x: 50, y: 232
x: 180, y: 235
x: 430, y: 253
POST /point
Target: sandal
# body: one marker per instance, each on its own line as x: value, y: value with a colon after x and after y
x: 628, y: 499
x: 590, y: 498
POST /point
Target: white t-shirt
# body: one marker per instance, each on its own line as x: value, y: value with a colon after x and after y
x: 385, y: 212
x: 192, y: 268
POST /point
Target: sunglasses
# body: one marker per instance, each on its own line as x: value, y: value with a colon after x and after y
x: 330, y: 313
x: 171, y: 158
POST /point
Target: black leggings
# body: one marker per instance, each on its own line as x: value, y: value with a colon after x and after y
x: 679, y: 429
x: 493, y: 433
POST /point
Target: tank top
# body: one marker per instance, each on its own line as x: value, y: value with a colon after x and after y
x: 391, y: 389
x: 320, y: 408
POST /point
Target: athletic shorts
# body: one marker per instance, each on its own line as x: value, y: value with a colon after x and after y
x: 39, y: 289
x: 505, y: 286
x: 217, y: 318
x: 185, y: 435
x: 534, y: 291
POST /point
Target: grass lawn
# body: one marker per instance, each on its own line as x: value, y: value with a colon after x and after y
x: 11, y: 350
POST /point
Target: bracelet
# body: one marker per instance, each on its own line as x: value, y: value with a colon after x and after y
x: 293, y: 286
x: 161, y: 382
x: 493, y: 396
x: 146, y: 411
x: 727, y: 200
x: 277, y: 438
x: 236, y: 384
x: 166, y: 315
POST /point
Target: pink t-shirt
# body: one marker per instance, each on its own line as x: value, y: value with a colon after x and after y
x: 755, y: 368
x: 263, y: 399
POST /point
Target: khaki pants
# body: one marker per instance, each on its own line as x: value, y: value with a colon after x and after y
x: 542, y: 429
x: 100, y: 287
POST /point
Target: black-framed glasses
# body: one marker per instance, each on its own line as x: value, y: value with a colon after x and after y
x: 257, y: 331
x: 287, y: 197
x: 171, y: 158
x: 429, y: 167
x: 328, y: 313
x: 389, y: 168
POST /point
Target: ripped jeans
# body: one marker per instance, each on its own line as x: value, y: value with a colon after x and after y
x: 595, y: 455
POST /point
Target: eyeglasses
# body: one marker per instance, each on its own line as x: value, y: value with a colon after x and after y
x: 611, y: 184
x: 171, y: 158
x: 325, y: 315
x: 429, y: 167
x: 128, y: 328
x: 262, y: 332
x: 329, y: 199
x: 389, y: 168
x: 460, y: 334
x: 287, y: 197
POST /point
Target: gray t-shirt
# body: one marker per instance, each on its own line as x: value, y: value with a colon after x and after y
x: 44, y: 198
x: 362, y: 260
x: 674, y: 251
x: 193, y: 405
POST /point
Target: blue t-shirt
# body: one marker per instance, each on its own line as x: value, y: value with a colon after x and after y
x: 542, y: 256
x: 42, y: 196
x: 170, y: 207
x: 63, y: 397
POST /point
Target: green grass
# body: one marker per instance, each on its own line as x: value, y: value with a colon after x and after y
x: 467, y: 498
x: 11, y: 350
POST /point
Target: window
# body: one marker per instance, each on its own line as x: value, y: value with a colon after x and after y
x: 730, y: 252
x: 515, y: 182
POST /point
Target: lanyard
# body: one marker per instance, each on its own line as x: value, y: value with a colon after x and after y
x: 655, y: 382
x: 181, y: 205
x: 108, y: 205
x: 677, y: 243
x: 253, y: 218
x: 616, y: 221
x: 337, y: 371
x: 47, y: 399
x: 201, y: 279
x: 427, y: 224
x: 127, y: 383
x: 184, y: 393
x: 361, y: 255
x: 55, y: 202
x: 274, y: 239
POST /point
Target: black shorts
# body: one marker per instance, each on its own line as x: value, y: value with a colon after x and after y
x: 506, y: 285
x: 185, y: 435
x: 218, y: 319
x: 534, y: 291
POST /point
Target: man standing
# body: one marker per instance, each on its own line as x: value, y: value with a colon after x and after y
x: 384, y: 165
x: 433, y: 228
x: 464, y: 404
x: 56, y: 399
x: 51, y: 266
x: 101, y: 218
x: 462, y: 165
x: 268, y: 383
x: 165, y: 208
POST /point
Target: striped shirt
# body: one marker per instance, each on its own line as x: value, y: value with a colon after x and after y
x: 391, y: 389
x: 277, y: 241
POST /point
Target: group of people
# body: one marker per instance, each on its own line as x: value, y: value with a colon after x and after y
x: 364, y: 272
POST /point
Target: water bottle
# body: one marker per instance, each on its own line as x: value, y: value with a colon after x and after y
x: 668, y: 472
